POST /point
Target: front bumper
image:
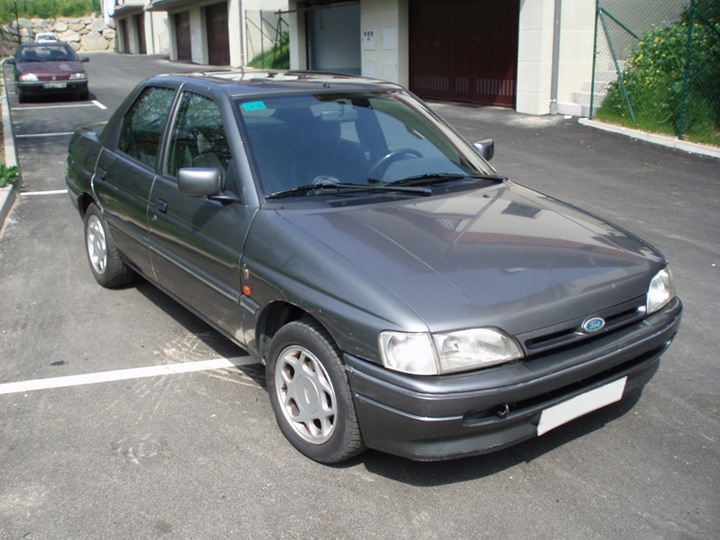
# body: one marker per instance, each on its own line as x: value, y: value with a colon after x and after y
x: 41, y: 87
x: 444, y: 417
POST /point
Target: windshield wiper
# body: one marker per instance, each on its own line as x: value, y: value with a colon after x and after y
x: 438, y: 178
x: 352, y: 187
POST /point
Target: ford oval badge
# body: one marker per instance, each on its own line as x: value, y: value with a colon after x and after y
x: 593, y: 325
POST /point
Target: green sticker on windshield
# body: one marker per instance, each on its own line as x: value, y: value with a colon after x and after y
x: 254, y: 106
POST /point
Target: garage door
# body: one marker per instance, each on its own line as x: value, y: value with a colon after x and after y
x: 182, y: 36
x: 464, y: 50
x: 140, y: 25
x: 216, y: 17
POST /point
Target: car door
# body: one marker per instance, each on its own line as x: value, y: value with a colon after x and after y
x: 196, y: 243
x: 125, y: 174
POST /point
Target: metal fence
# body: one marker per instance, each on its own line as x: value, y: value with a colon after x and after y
x: 266, y: 39
x: 657, y: 66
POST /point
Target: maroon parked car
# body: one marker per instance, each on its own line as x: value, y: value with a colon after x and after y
x: 44, y: 68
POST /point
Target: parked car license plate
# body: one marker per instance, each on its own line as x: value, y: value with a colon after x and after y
x: 576, y: 407
x: 55, y: 85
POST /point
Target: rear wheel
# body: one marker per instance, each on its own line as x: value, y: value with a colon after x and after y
x: 106, y: 265
x: 310, y: 394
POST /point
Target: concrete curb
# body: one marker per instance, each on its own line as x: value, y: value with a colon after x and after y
x: 654, y: 138
x: 7, y: 194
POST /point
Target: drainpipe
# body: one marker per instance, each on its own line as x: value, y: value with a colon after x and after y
x: 555, y: 59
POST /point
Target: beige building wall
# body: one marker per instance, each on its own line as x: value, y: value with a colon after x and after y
x: 535, y: 54
x: 384, y: 39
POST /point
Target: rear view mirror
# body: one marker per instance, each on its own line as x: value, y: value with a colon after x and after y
x: 486, y: 148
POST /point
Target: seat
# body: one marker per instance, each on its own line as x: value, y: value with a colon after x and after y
x: 323, y: 154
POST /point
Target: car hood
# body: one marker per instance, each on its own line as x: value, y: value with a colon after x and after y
x: 504, y: 256
x: 50, y: 68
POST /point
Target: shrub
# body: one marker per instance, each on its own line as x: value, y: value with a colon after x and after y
x: 46, y: 9
x: 654, y: 79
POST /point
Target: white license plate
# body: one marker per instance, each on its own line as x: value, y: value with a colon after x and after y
x: 55, y: 85
x: 571, y: 409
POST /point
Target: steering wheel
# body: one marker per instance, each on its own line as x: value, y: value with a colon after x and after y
x: 377, y: 170
x: 325, y: 180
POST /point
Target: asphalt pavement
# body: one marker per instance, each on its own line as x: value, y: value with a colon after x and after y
x: 198, y: 455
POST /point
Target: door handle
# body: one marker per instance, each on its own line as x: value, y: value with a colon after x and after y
x: 101, y: 173
x: 161, y: 205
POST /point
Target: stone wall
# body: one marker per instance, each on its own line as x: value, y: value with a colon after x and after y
x: 84, y: 34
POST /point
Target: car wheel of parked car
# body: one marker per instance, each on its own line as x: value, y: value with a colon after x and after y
x: 310, y: 394
x: 105, y: 262
x: 21, y: 96
x: 83, y: 95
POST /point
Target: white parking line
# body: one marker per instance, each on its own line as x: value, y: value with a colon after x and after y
x: 37, y: 135
x: 124, y: 374
x: 37, y: 193
x: 93, y: 103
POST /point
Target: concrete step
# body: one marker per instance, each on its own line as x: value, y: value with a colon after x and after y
x: 600, y: 86
x: 605, y: 76
x: 573, y: 109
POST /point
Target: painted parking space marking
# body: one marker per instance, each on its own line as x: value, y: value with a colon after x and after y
x: 124, y: 374
x: 38, y: 135
x: 93, y: 103
x: 41, y: 193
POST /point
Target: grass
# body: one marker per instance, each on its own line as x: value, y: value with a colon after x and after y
x: 276, y: 58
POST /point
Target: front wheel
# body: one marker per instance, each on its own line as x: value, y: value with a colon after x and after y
x: 107, y: 267
x: 310, y: 394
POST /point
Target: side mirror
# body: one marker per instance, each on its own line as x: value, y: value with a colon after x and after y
x: 486, y: 148
x: 84, y: 59
x: 10, y: 61
x: 200, y: 181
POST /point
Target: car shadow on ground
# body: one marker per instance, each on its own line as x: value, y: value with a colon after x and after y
x: 428, y: 474
x: 218, y: 343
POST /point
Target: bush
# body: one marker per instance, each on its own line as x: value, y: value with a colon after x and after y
x: 8, y: 175
x: 654, y: 78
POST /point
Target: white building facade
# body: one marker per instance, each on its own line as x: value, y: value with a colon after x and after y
x: 531, y: 55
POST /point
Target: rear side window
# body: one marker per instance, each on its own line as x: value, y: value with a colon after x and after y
x: 144, y: 124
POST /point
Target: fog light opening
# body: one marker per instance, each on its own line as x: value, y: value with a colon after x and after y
x: 501, y: 411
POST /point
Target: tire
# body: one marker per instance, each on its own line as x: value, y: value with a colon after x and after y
x: 21, y: 95
x: 83, y: 95
x: 105, y: 263
x: 310, y: 394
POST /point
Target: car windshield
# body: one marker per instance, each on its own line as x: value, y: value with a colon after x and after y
x: 366, y: 138
x: 47, y: 53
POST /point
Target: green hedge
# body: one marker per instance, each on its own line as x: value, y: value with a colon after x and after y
x: 46, y: 9
x: 662, y: 100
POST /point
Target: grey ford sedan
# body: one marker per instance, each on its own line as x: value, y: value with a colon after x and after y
x: 403, y: 295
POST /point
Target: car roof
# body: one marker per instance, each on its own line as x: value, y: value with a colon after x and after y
x: 238, y: 82
x: 44, y: 44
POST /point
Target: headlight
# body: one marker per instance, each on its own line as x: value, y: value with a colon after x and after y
x: 661, y: 291
x: 78, y: 76
x: 29, y: 77
x: 451, y: 352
